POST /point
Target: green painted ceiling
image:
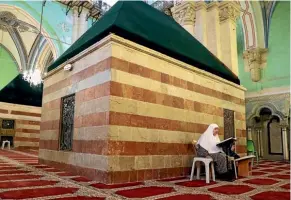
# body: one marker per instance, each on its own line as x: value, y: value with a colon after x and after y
x: 8, y: 67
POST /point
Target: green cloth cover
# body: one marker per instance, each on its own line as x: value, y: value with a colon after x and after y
x: 19, y: 91
x: 145, y: 25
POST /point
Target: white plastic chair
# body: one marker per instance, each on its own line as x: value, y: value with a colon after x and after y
x: 207, y: 162
x: 8, y: 144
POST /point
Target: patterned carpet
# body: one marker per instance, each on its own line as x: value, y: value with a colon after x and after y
x: 21, y: 177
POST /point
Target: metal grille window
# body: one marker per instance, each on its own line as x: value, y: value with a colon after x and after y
x: 7, y: 124
x: 228, y: 116
x: 67, y: 122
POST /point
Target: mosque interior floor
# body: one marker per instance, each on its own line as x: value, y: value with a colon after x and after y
x: 21, y: 177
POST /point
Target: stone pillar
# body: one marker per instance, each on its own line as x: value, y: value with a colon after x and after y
x: 258, y: 130
x: 284, y: 125
x: 200, y: 29
x: 254, y: 60
x: 75, y: 25
x: 229, y: 11
x: 83, y: 24
x: 184, y: 14
x: 249, y: 133
x: 213, y: 29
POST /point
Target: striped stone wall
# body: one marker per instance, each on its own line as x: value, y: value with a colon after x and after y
x: 136, y: 113
x: 27, y: 123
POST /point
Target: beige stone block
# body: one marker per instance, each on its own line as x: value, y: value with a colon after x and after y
x: 18, y: 107
x: 119, y: 104
x: 78, y: 159
x: 89, y: 82
x: 144, y: 109
x: 91, y: 133
x: 27, y: 126
x: 187, y: 160
x: 143, y: 162
x: 127, y: 134
x: 176, y: 161
x: 189, y: 74
x: 168, y: 161
x: 49, y: 135
x: 241, y: 141
x: 20, y: 117
x: 51, y: 115
x: 25, y: 144
x: 126, y: 163
x: 87, y: 61
x: 113, y: 163
x: 144, y: 83
x: 27, y: 135
x: 113, y: 133
x: 150, y: 135
x: 158, y: 162
x: 160, y: 111
x: 94, y: 106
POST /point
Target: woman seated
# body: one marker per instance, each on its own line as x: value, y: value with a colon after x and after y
x: 207, y: 147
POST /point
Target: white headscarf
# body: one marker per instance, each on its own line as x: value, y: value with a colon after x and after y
x: 208, y: 141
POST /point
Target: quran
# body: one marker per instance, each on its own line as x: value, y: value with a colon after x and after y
x: 226, y: 142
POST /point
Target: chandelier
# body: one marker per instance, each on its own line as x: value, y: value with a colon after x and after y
x: 33, y: 76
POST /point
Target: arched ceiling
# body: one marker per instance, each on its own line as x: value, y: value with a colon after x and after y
x: 20, y: 34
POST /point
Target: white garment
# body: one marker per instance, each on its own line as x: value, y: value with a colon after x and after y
x: 208, y: 141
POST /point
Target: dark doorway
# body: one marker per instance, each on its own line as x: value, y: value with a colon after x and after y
x: 9, y: 138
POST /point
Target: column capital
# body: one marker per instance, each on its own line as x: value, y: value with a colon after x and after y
x: 229, y: 10
x: 284, y: 123
x: 84, y: 12
x: 258, y: 126
x: 200, y: 5
x: 184, y: 13
x: 255, y: 59
x: 211, y: 5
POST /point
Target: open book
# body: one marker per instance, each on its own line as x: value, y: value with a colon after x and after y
x: 245, y: 158
x: 226, y: 141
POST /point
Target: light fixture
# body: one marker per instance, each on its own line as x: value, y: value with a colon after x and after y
x: 33, y: 76
x: 68, y: 67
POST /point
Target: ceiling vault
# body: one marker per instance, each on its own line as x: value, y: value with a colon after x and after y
x: 19, y: 46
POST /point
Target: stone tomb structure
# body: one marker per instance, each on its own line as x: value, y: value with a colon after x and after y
x: 20, y: 114
x: 137, y: 95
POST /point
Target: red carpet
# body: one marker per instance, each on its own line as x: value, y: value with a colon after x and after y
x: 81, y: 179
x: 145, y: 192
x: 81, y: 198
x: 172, y: 179
x: 280, y: 176
x: 8, y: 168
x: 65, y: 174
x: 104, y: 186
x: 258, y: 173
x: 287, y: 186
x: 264, y: 166
x: 284, y: 168
x: 18, y: 184
x: 33, y: 193
x: 52, y: 170
x: 272, y: 196
x: 18, y: 177
x: 261, y: 181
x: 271, y: 170
x: 41, y: 167
x: 195, y: 183
x: 231, y: 189
x: 189, y: 197
x: 7, y: 165
x: 14, y: 172
x: 33, y: 164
